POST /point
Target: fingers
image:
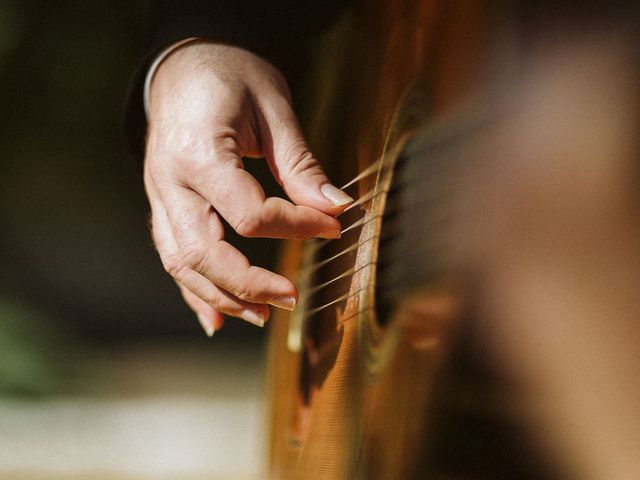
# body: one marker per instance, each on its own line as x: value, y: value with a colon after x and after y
x: 207, y: 158
x: 240, y: 199
x: 190, y: 243
x: 210, y: 319
x: 222, y: 301
x: 214, y: 259
x: 291, y: 161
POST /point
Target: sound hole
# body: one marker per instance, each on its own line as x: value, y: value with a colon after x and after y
x: 385, y: 300
x: 419, y: 243
x: 330, y: 275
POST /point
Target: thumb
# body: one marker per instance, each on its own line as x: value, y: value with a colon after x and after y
x: 292, y: 163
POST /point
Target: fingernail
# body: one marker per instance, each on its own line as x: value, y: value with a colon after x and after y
x: 286, y: 302
x: 329, y: 234
x: 207, y: 325
x: 252, y: 316
x: 335, y: 195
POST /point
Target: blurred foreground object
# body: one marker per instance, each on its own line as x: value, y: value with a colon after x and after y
x: 560, y: 254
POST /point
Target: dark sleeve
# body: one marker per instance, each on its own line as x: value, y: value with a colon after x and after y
x: 278, y: 30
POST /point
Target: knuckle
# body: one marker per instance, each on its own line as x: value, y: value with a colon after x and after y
x: 191, y: 152
x: 221, y: 124
x: 212, y: 300
x: 225, y: 149
x: 176, y: 165
x: 191, y: 257
x: 297, y: 151
x: 188, y: 151
x: 193, y: 168
x: 245, y: 292
x: 300, y: 160
x: 192, y: 159
x: 194, y: 257
x: 197, y: 157
x: 248, y: 225
x: 251, y: 287
x: 307, y: 164
x: 173, y: 264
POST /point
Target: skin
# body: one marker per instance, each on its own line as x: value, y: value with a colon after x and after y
x: 211, y: 105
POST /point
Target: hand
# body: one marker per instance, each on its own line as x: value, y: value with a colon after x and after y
x: 211, y: 105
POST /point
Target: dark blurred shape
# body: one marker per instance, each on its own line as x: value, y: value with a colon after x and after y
x: 528, y: 198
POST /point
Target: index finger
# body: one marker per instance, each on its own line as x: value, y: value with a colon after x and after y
x: 241, y: 201
x: 202, y: 249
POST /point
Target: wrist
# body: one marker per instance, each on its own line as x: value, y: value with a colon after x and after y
x: 146, y: 93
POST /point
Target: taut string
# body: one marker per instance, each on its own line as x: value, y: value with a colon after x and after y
x: 370, y: 170
x: 360, y: 221
x: 370, y: 195
x: 315, y: 288
x: 307, y: 269
x: 344, y: 296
